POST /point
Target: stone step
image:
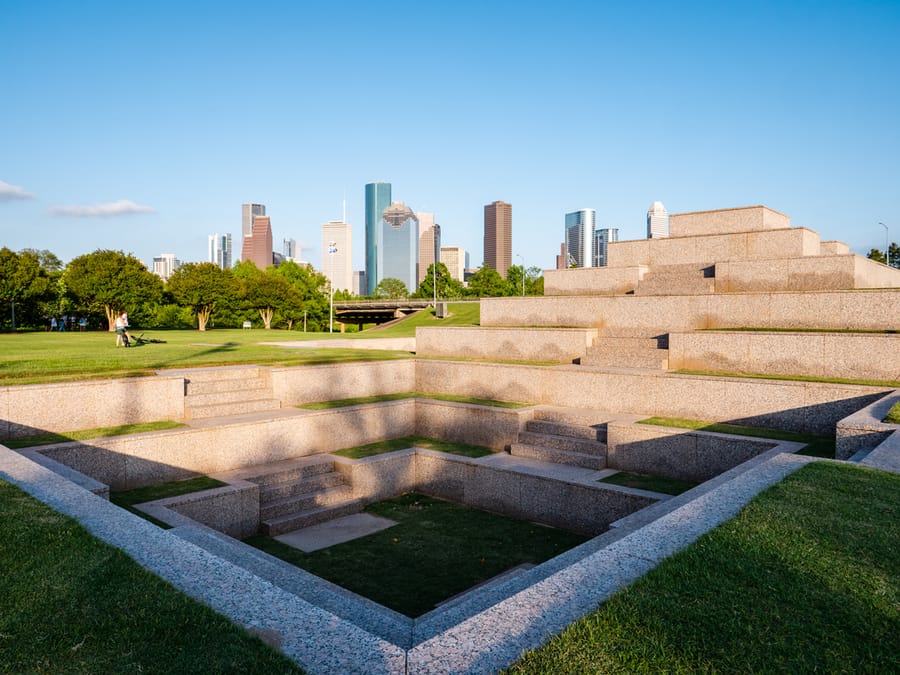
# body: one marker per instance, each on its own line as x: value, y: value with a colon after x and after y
x: 660, y: 341
x: 627, y: 358
x: 564, y: 429
x: 693, y: 269
x: 586, y: 417
x: 558, y: 456
x: 676, y: 286
x: 305, y: 468
x: 301, y: 503
x: 299, y: 486
x: 225, y: 385
x: 567, y: 443
x: 225, y: 396
x: 226, y: 409
x: 296, y: 521
x: 196, y: 375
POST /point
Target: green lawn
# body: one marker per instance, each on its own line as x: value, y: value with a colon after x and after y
x: 38, y: 357
x: 893, y: 416
x: 71, y: 604
x: 437, y: 550
x: 394, y: 444
x: 817, y: 446
x: 30, y: 358
x: 641, y: 481
x: 805, y: 579
x: 86, y: 434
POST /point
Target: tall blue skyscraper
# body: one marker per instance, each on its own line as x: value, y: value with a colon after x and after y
x: 603, y: 237
x: 398, y: 248
x: 580, y: 236
x: 378, y: 198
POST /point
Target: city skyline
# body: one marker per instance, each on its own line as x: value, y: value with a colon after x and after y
x: 112, y: 143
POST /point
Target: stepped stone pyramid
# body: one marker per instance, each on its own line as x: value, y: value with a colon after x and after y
x: 654, y: 304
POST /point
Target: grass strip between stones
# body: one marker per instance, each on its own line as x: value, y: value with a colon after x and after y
x: 71, y: 603
x: 405, y: 442
x: 382, y: 398
x: 805, y: 579
x: 817, y: 446
x: 792, y: 378
x: 51, y: 438
x: 641, y: 481
x: 127, y: 499
x: 893, y: 416
x: 438, y: 549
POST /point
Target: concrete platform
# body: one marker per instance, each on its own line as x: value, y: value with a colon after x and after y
x: 337, y: 531
x: 393, y: 344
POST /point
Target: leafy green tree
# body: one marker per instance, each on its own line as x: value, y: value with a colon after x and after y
x: 391, y: 289
x: 878, y: 255
x: 447, y: 286
x: 22, y: 282
x: 269, y: 292
x: 313, y: 290
x: 487, y: 283
x: 201, y: 286
x: 110, y: 281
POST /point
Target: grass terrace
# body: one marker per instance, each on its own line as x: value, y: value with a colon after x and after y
x: 394, y: 444
x: 453, y: 398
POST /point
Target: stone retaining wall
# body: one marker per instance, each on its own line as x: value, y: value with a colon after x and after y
x: 864, y: 430
x: 69, y: 406
x: 309, y: 384
x: 562, y: 345
x: 811, y: 407
x: 593, y: 280
x: 718, y: 221
x: 678, y: 453
x: 857, y: 356
x: 643, y: 316
x: 820, y: 273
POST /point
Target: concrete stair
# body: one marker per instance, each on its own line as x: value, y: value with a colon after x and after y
x: 688, y: 279
x: 562, y: 441
x: 306, y: 494
x: 628, y: 352
x: 227, y: 391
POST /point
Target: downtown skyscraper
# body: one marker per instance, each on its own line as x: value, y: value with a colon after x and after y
x: 220, y: 251
x: 337, y: 253
x: 580, y: 236
x: 378, y: 198
x: 657, y: 221
x: 498, y: 236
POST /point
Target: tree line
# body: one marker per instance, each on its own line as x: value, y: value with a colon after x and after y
x: 36, y: 287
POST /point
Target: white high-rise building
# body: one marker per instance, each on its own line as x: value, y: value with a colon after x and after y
x: 454, y: 257
x: 289, y: 249
x: 248, y: 213
x: 602, y: 239
x: 165, y: 264
x: 337, y: 255
x: 220, y: 250
x: 580, y: 236
x: 429, y: 244
x: 657, y: 221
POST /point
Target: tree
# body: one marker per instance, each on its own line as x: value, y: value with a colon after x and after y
x: 268, y: 292
x: 487, y: 283
x: 447, y: 286
x: 22, y: 281
x: 111, y: 281
x: 391, y: 289
x: 313, y: 292
x: 201, y: 286
x: 878, y: 255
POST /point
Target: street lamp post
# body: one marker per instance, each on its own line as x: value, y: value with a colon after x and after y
x: 332, y: 249
x: 519, y: 255
x: 887, y: 246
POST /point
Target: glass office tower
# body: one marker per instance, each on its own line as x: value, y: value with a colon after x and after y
x: 398, y: 249
x: 580, y: 236
x: 378, y: 198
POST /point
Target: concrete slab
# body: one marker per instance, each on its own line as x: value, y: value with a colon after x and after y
x: 337, y: 531
x: 396, y: 344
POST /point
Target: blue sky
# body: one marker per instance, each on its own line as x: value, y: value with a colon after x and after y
x: 142, y: 127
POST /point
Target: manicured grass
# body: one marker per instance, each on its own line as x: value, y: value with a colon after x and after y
x: 87, y: 434
x: 461, y: 314
x: 893, y: 416
x: 817, y: 446
x: 750, y: 329
x: 394, y: 444
x: 72, y: 604
x: 792, y: 378
x: 31, y: 358
x: 805, y: 579
x: 641, y: 481
x: 344, y: 402
x: 437, y: 550
x: 128, y: 498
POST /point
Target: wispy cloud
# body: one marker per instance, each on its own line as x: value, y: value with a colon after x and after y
x: 9, y: 192
x: 119, y: 208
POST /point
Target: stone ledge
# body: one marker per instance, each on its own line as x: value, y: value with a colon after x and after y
x: 864, y: 430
